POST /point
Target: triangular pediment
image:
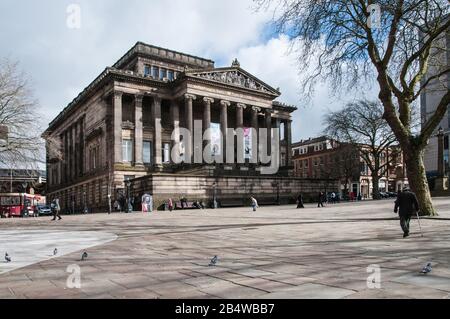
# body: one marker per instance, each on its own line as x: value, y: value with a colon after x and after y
x: 234, y: 76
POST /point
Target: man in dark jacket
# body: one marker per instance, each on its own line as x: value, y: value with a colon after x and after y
x: 320, y: 200
x: 406, y: 205
x: 300, y: 201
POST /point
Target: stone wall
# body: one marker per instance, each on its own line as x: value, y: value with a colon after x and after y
x: 230, y: 190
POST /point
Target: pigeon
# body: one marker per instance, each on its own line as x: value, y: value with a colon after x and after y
x: 55, y: 252
x: 7, y: 258
x: 84, y: 256
x: 213, y: 261
x: 427, y: 269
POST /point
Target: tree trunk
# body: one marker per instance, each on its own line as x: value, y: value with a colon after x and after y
x: 375, y: 186
x: 418, y: 180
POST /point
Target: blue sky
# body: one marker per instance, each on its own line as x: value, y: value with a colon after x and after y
x: 61, y: 61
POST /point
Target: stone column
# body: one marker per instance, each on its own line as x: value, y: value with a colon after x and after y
x: 138, y: 130
x: 81, y: 159
x: 207, y: 101
x: 175, y: 115
x: 117, y: 110
x: 189, y: 98
x: 268, y: 115
x: 75, y: 149
x: 224, y: 125
x: 70, y: 152
x: 255, y: 137
x: 156, y: 110
x: 240, y: 115
x: 67, y: 156
x: 288, y: 139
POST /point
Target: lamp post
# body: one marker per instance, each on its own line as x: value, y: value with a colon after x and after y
x: 440, y: 136
x: 277, y: 185
x: 441, y: 180
x: 24, y: 186
x: 128, y: 184
x: 214, y: 195
x: 85, y: 208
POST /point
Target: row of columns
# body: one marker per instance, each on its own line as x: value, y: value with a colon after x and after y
x: 72, y: 140
x: 189, y: 120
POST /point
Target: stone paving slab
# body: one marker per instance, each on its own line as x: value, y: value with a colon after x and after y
x: 277, y: 252
x: 310, y: 291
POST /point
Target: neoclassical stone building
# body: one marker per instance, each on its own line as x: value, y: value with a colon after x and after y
x: 120, y: 127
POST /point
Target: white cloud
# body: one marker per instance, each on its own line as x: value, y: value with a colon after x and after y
x: 63, y: 61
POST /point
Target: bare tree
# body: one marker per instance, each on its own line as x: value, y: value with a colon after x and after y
x: 346, y: 167
x: 395, y: 42
x: 361, y: 124
x: 21, y: 145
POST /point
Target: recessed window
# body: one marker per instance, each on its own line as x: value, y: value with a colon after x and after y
x: 147, y: 152
x: 147, y: 70
x: 127, y: 150
x: 170, y: 75
x: 155, y: 72
x: 162, y: 73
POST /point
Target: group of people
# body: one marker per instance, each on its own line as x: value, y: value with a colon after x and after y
x: 406, y: 205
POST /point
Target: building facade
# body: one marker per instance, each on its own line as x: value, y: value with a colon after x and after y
x: 124, y: 125
x: 325, y: 158
x: 430, y: 98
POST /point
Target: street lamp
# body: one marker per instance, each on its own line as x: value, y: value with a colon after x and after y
x: 277, y: 185
x: 24, y: 186
x: 129, y: 208
x: 85, y: 209
x: 440, y: 135
x: 214, y: 195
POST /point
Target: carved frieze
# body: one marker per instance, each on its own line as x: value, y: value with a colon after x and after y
x: 234, y: 77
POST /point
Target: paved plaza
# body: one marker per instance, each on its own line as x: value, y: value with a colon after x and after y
x: 276, y: 252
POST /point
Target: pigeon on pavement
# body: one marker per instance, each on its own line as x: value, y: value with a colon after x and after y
x: 7, y: 258
x: 427, y: 269
x: 213, y: 261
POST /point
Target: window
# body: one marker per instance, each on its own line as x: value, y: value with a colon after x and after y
x: 147, y: 152
x: 162, y: 73
x: 127, y: 150
x: 147, y: 70
x: 170, y: 75
x: 165, y: 153
x: 155, y: 72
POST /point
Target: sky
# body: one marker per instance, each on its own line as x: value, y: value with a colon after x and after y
x: 61, y: 61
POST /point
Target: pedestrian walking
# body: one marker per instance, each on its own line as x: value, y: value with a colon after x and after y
x: 56, y: 209
x: 406, y: 205
x: 320, y: 200
x: 254, y: 203
x: 170, y: 204
x: 300, y: 201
